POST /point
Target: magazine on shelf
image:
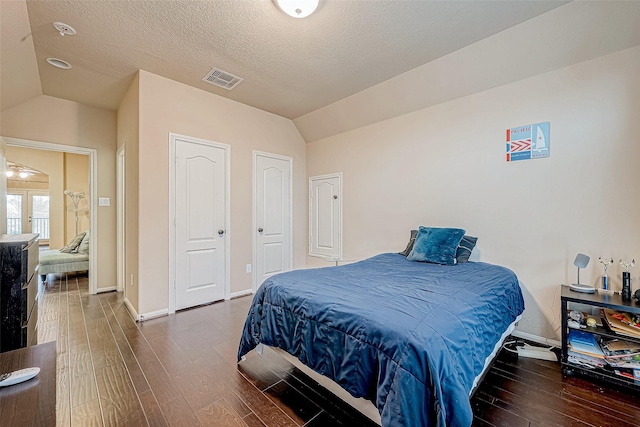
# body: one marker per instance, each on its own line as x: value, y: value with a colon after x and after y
x: 621, y: 354
x: 585, y: 360
x: 615, y: 321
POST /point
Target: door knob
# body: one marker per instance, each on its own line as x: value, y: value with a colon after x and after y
x: 220, y: 232
x: 260, y: 230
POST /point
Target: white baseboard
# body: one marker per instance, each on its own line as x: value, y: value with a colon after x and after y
x: 153, y: 314
x: 145, y: 316
x: 106, y: 289
x: 536, y: 338
x: 241, y: 293
x: 132, y: 310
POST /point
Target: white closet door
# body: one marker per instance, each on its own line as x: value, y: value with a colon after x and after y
x: 200, y: 222
x: 325, y: 216
x: 273, y: 215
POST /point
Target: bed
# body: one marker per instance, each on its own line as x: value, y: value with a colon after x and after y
x: 414, y: 338
x: 59, y: 262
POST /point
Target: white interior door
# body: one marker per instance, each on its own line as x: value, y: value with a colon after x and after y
x: 325, y: 216
x: 273, y: 206
x: 200, y: 222
x: 39, y: 215
x: 17, y: 213
x: 28, y: 212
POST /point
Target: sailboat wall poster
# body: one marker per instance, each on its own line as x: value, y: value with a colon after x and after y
x: 528, y: 142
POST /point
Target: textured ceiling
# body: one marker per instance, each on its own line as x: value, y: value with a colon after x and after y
x: 290, y: 66
x: 19, y: 79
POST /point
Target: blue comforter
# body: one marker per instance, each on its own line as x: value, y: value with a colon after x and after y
x: 409, y: 336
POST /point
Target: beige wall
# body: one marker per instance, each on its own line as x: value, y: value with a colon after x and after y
x: 59, y: 121
x: 36, y: 182
x: 167, y: 106
x: 3, y: 187
x: 128, y: 135
x: 445, y: 166
x: 51, y: 163
x: 76, y: 179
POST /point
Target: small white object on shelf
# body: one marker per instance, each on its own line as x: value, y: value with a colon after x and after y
x: 582, y: 288
x: 15, y: 377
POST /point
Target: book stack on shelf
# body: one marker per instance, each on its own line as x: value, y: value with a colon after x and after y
x: 623, y: 357
x: 618, y: 356
x: 584, y: 350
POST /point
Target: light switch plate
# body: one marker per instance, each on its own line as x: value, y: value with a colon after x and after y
x: 104, y: 201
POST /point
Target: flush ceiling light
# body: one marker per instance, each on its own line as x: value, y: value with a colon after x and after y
x: 16, y: 169
x: 298, y: 8
x: 59, y: 63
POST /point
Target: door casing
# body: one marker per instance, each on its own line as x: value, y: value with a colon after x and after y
x: 93, y: 199
x: 120, y: 222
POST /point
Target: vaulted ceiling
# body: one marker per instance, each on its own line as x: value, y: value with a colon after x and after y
x: 291, y: 67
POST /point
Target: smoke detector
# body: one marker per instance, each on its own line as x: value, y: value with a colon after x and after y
x: 64, y: 29
x: 222, y: 79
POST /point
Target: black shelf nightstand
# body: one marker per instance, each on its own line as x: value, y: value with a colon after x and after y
x: 613, y: 302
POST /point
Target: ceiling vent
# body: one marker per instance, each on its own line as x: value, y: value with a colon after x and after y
x: 222, y: 79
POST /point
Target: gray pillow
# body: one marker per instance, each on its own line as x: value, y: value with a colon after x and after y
x: 83, y: 248
x: 464, y: 248
x: 412, y: 240
x: 73, y: 244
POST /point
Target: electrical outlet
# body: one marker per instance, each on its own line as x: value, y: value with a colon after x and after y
x: 248, y: 268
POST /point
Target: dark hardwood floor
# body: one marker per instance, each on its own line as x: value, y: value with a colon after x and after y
x: 181, y: 370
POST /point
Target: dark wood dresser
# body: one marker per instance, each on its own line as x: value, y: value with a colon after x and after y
x: 18, y: 290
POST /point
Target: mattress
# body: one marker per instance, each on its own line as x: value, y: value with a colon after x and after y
x: 411, y: 337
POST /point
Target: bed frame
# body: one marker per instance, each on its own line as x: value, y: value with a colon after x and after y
x: 366, y: 407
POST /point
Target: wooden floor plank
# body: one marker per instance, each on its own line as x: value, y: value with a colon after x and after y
x: 293, y: 403
x: 88, y: 414
x: 486, y: 410
x: 118, y: 397
x: 124, y: 350
x: 578, y: 398
x: 178, y: 413
x: 219, y: 414
x: 152, y: 409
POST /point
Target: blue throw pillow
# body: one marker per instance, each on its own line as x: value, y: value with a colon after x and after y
x: 436, y: 245
x: 464, y: 248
